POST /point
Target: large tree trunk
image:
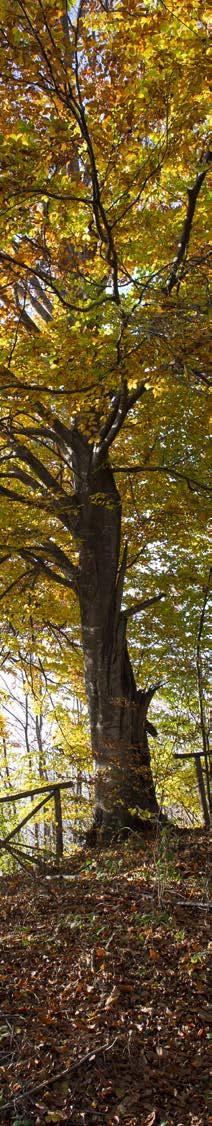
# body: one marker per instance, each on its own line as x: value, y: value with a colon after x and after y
x: 124, y: 788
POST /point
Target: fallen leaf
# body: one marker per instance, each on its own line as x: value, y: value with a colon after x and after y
x: 79, y: 987
x: 113, y: 997
x: 152, y: 1118
x: 54, y: 1116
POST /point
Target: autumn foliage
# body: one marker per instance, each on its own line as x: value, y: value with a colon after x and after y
x: 104, y: 333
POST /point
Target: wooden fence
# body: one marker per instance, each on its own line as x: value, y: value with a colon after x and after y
x: 50, y: 790
x: 203, y: 780
x: 53, y: 790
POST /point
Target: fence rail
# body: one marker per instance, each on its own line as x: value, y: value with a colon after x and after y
x: 50, y: 790
x: 203, y: 780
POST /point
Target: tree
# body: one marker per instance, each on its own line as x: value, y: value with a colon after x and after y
x: 104, y: 309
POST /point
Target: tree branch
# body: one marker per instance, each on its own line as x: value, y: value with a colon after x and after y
x: 119, y: 411
x: 142, y: 604
x: 55, y: 552
x: 32, y: 556
x: 191, y: 482
x: 25, y: 478
x: 36, y: 465
x: 193, y: 194
x: 68, y: 436
x: 136, y: 395
x: 19, y: 498
x: 106, y: 426
x: 37, y: 272
x: 67, y: 509
x: 25, y: 575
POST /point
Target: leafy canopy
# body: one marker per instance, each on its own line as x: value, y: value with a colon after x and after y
x: 104, y: 291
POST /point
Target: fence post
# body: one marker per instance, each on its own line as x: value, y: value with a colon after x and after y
x: 59, y: 823
x: 202, y: 794
x: 3, y: 843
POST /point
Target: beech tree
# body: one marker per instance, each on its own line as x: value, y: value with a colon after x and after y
x: 104, y: 296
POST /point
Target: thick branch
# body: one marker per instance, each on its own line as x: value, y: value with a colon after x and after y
x: 106, y: 426
x: 142, y: 604
x: 67, y: 509
x: 102, y: 224
x: 13, y: 496
x: 193, y: 194
x: 25, y: 478
x: 136, y: 395
x: 68, y: 436
x: 33, y: 556
x: 55, y: 552
x: 14, y: 382
x: 37, y: 466
x: 116, y: 417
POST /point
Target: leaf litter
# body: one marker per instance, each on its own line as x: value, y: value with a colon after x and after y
x: 104, y: 989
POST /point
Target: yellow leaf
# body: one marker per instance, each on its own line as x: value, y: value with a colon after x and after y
x: 54, y: 1116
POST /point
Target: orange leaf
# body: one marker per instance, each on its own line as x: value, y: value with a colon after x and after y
x: 150, y: 1121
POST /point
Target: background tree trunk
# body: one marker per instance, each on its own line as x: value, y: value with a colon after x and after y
x: 118, y: 710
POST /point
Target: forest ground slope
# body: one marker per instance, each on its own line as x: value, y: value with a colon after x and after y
x: 103, y: 988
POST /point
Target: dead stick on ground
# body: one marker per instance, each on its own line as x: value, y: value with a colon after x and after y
x: 68, y: 1071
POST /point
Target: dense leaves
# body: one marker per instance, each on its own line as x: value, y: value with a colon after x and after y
x: 97, y: 1025
x: 104, y: 321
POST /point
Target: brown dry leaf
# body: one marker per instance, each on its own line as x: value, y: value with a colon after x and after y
x: 126, y: 987
x: 128, y: 1104
x: 113, y: 997
x: 197, y: 1061
x: 60, y: 1018
x: 79, y: 987
x: 153, y: 954
x: 152, y: 1118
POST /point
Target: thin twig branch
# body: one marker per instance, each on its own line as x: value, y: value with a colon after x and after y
x: 191, y: 482
x: 67, y: 1071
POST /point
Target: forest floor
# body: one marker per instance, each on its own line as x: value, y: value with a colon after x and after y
x: 103, y: 988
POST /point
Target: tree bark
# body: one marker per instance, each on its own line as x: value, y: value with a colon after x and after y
x: 124, y: 788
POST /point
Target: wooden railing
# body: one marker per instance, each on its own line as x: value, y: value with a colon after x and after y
x: 50, y: 790
x: 53, y: 790
x: 203, y: 780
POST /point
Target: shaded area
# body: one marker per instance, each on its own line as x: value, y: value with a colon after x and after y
x: 104, y: 997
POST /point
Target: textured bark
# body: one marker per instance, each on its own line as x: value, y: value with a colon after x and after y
x: 92, y: 514
x: 117, y: 709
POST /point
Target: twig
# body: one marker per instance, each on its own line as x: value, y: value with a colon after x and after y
x: 188, y: 903
x: 51, y: 1079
